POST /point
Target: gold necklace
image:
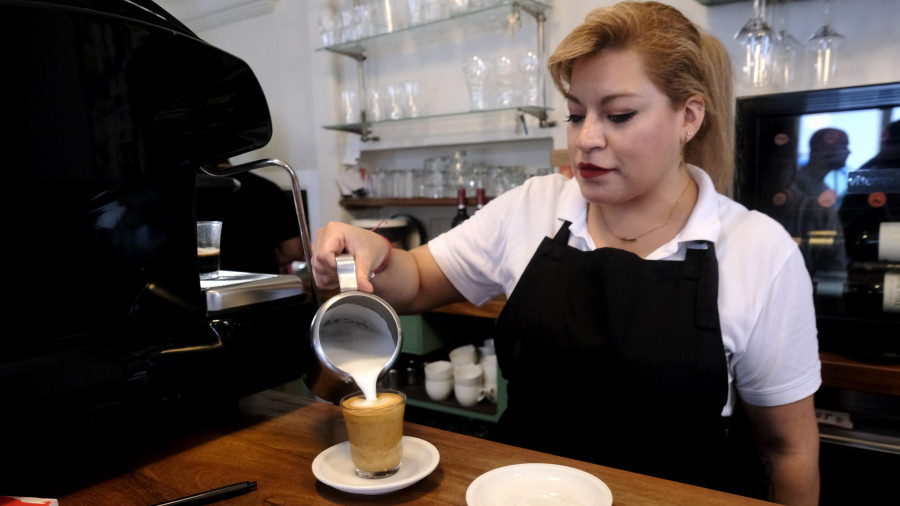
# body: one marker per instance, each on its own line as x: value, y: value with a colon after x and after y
x: 635, y: 238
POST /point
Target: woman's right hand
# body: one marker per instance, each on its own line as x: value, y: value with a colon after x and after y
x: 367, y: 248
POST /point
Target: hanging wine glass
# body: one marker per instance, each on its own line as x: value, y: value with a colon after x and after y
x: 823, y: 49
x: 788, y: 50
x: 757, y: 41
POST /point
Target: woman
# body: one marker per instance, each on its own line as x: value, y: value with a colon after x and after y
x: 652, y: 323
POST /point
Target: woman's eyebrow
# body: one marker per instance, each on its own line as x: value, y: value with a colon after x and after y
x: 605, y: 100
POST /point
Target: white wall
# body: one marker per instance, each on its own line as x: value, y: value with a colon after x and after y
x: 302, y: 85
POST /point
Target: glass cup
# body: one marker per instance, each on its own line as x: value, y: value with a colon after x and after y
x: 374, y: 105
x: 434, y: 176
x: 504, y: 80
x: 329, y: 29
x: 416, y: 11
x: 530, y: 70
x: 209, y: 236
x: 350, y: 106
x: 414, y: 104
x: 403, y: 183
x: 475, y: 70
x: 434, y: 10
x: 375, y: 431
x: 397, y: 100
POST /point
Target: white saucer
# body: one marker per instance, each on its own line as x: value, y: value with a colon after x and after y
x: 333, y: 467
x: 538, y: 485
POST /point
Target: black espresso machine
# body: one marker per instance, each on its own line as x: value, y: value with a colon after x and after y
x: 111, y: 109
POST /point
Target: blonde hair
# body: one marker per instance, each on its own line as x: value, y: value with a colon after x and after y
x: 680, y: 58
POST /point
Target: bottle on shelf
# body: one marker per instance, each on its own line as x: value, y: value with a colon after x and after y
x: 872, y: 289
x: 480, y: 199
x: 881, y: 242
x: 461, y: 213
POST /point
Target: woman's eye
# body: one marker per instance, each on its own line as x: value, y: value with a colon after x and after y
x: 575, y: 118
x: 621, y: 118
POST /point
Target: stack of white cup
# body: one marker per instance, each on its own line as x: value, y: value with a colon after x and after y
x: 468, y: 384
x: 439, y: 380
x: 471, y: 374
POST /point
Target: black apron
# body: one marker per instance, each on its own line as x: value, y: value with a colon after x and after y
x: 619, y: 361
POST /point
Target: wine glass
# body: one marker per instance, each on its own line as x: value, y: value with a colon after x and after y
x: 823, y: 49
x: 788, y: 50
x: 757, y: 41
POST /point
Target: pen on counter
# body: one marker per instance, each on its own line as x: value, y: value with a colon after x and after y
x: 216, y: 494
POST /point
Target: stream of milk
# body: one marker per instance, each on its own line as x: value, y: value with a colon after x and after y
x: 357, y: 341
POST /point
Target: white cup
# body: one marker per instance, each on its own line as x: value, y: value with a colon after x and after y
x: 438, y: 390
x: 468, y: 395
x: 468, y: 375
x: 440, y: 370
x: 490, y: 377
x: 490, y: 373
x: 464, y: 355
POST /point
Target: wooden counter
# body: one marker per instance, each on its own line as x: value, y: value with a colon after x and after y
x: 274, y: 437
x: 842, y: 372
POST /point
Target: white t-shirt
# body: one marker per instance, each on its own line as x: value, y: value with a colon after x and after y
x: 765, y: 294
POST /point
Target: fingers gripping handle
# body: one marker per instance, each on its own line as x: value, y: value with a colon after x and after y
x: 346, y: 269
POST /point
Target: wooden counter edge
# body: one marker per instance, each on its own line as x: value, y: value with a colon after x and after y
x: 842, y: 372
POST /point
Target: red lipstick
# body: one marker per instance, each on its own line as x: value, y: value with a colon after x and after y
x: 589, y: 170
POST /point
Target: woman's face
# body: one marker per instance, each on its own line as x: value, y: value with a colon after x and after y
x: 625, y: 139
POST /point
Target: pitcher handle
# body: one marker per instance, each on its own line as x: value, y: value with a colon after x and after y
x: 346, y: 270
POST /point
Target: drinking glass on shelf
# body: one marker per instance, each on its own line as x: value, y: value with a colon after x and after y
x: 349, y: 25
x: 374, y: 105
x: 475, y: 177
x: 458, y: 172
x: 497, y: 181
x: 329, y: 29
x: 416, y: 11
x: 788, y: 50
x: 434, y: 10
x: 503, y: 77
x: 403, y: 183
x: 350, y: 106
x: 530, y: 69
x: 458, y: 6
x: 757, y: 42
x: 434, y: 176
x: 475, y: 70
x: 380, y: 183
x: 823, y: 49
x: 414, y: 100
x: 396, y: 98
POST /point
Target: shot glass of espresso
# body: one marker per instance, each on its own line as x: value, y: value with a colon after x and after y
x: 375, y: 430
x: 209, y: 235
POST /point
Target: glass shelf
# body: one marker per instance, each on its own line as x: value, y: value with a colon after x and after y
x: 364, y: 202
x: 359, y: 128
x: 494, y: 16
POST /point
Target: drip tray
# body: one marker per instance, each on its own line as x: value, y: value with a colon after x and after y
x: 233, y: 289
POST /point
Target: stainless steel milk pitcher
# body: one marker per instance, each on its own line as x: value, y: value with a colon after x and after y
x: 350, y: 313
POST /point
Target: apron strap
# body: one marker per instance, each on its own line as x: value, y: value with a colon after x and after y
x: 695, y: 261
x: 562, y: 235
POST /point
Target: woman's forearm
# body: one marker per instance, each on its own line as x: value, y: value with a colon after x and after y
x: 413, y: 283
x: 795, y: 478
